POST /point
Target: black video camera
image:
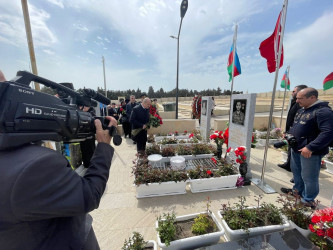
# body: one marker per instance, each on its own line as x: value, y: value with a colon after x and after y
x: 290, y: 139
x: 27, y: 115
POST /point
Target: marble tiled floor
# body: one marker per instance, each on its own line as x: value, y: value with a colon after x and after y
x: 120, y: 212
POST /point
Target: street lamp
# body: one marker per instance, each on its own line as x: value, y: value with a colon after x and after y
x: 183, y: 9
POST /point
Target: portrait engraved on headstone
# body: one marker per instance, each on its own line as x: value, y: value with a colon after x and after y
x: 204, y: 107
x: 239, y: 111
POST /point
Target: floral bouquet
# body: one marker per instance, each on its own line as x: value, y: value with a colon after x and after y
x: 322, y: 228
x: 240, y: 154
x: 218, y: 137
x: 154, y: 120
x: 185, y: 132
x: 176, y: 133
x: 122, y: 111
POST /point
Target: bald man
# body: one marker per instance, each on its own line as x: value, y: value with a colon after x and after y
x: 2, y: 77
x: 139, y: 120
x: 313, y: 131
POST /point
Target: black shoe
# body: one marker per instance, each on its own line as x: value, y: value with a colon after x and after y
x: 287, y: 190
x: 310, y: 204
x: 292, y: 180
x: 285, y: 166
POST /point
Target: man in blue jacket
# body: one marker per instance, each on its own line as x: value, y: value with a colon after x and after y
x: 313, y: 131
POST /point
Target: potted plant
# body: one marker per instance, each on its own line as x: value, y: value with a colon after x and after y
x: 150, y: 181
x: 137, y: 242
x: 329, y: 161
x: 188, y: 231
x: 322, y: 228
x: 241, y: 221
x: 168, y: 151
x: 299, y: 216
x: 218, y: 175
x: 153, y: 149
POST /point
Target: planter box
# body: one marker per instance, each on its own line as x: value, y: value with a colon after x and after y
x: 239, y: 234
x: 152, y: 243
x: 195, y: 241
x: 329, y: 166
x: 160, y: 189
x: 213, y: 184
x: 305, y: 232
x: 284, y: 156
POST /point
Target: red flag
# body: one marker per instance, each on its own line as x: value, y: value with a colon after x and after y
x: 269, y: 47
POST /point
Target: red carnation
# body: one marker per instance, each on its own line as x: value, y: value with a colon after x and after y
x: 214, y: 160
x: 229, y: 149
x: 315, y: 219
x: 209, y: 172
x: 330, y: 233
x: 320, y: 232
x: 311, y: 228
x: 191, y: 135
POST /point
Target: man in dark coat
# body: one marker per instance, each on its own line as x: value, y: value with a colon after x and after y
x: 294, y: 107
x: 44, y: 203
x: 129, y: 107
x: 139, y: 120
x: 112, y: 111
x: 313, y: 132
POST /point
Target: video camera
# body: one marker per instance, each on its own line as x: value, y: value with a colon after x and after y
x: 289, y: 139
x: 27, y: 115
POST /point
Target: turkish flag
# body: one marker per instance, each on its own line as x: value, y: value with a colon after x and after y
x: 269, y: 47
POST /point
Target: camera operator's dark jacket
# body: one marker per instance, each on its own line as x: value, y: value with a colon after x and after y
x: 44, y: 203
x: 139, y: 117
x: 313, y: 128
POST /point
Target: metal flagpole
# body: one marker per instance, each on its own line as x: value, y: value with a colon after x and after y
x: 284, y: 96
x: 261, y: 183
x: 104, y: 76
x: 232, y: 69
x: 29, y: 40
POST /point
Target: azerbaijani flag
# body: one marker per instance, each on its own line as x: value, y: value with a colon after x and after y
x: 328, y: 82
x: 284, y: 78
x: 237, y: 67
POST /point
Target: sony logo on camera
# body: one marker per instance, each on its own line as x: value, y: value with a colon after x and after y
x: 34, y: 111
x: 26, y: 91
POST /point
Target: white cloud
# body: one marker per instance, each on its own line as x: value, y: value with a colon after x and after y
x: 58, y: 3
x: 49, y: 52
x: 80, y: 27
x: 90, y: 52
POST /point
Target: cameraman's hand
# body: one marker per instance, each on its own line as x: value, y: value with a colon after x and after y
x: 103, y: 135
x: 305, y: 152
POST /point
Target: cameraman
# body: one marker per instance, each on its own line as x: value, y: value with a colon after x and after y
x: 43, y: 203
x: 313, y: 132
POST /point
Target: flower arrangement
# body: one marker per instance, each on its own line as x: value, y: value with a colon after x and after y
x: 240, y: 154
x: 218, y: 168
x: 184, y: 150
x: 196, y: 107
x: 154, y: 120
x: 322, y: 228
x: 218, y: 137
x: 176, y: 133
x: 144, y: 174
x: 295, y: 210
x: 168, y: 151
x: 153, y: 149
x: 122, y: 111
x: 242, y: 217
x: 185, y: 132
x: 168, y: 141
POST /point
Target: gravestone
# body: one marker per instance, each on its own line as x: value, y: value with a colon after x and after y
x: 206, y: 108
x: 241, y: 124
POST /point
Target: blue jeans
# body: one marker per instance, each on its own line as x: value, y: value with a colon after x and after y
x: 306, y: 175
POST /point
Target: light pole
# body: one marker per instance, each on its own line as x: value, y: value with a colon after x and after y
x: 183, y: 9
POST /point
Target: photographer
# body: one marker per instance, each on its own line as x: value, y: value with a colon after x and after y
x: 313, y: 132
x: 43, y: 203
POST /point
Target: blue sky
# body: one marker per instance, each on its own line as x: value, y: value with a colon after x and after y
x: 71, y: 36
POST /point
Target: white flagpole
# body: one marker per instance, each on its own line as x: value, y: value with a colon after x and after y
x: 261, y: 183
x: 233, y: 66
x: 285, y: 91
